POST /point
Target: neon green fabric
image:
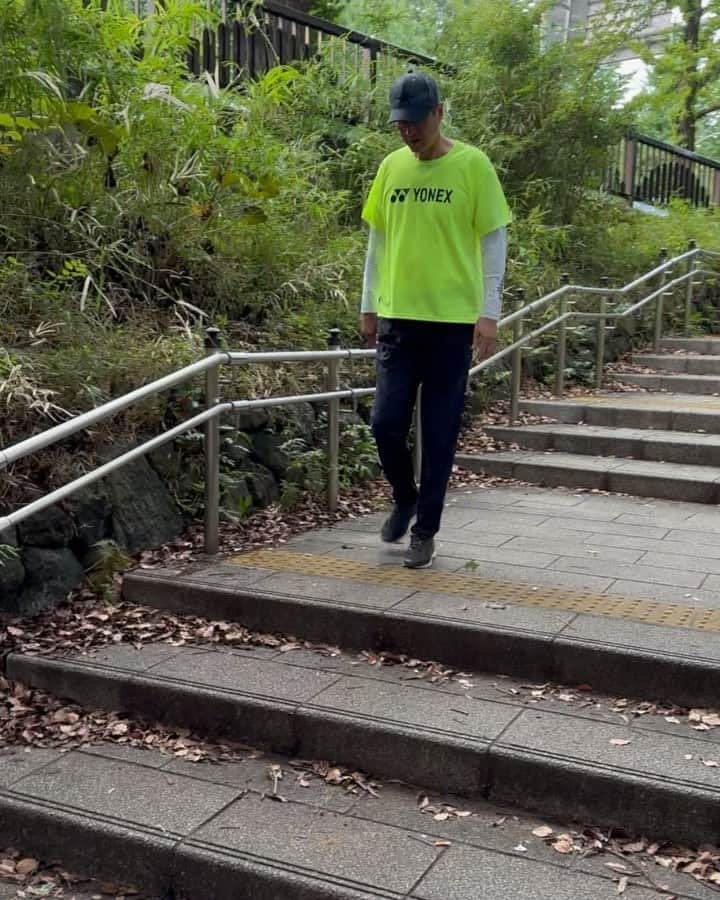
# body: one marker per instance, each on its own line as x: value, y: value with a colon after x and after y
x: 433, y: 214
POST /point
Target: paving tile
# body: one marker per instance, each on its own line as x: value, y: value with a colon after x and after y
x: 463, y: 873
x: 645, y: 574
x: 550, y: 576
x: 140, y: 756
x: 227, y: 574
x: 407, y: 705
x: 682, y: 642
x: 581, y: 550
x: 254, y: 774
x: 702, y: 597
x: 486, y: 612
x: 579, y: 512
x: 705, y: 521
x: 518, y: 528
x: 544, y: 498
x: 677, y: 885
x: 488, y: 828
x: 614, y: 527
x: 666, y: 545
x: 17, y: 762
x: 506, y: 520
x: 682, y: 562
x: 712, y: 583
x: 227, y: 671
x: 351, y: 851
x: 342, y: 590
x: 310, y: 544
x: 693, y: 535
x: 587, y: 741
x: 168, y: 803
x: 130, y: 659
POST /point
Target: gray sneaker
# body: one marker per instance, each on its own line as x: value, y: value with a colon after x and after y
x: 397, y: 523
x: 420, y: 554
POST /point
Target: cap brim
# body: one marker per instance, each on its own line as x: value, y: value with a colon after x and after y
x: 409, y: 114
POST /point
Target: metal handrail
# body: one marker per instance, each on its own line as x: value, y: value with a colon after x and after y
x: 216, y: 408
x: 85, y: 420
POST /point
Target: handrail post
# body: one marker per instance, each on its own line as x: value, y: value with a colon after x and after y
x: 689, y: 290
x: 333, y: 423
x: 660, y: 303
x: 561, y: 342
x: 212, y: 448
x: 516, y: 381
x: 600, y: 342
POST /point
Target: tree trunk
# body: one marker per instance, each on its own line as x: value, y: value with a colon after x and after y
x: 686, y: 123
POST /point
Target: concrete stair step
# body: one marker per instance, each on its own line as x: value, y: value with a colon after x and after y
x: 690, y: 364
x: 669, y: 481
x: 210, y: 832
x: 709, y: 344
x: 598, y: 440
x: 661, y: 412
x: 676, y: 384
x: 469, y: 622
x: 469, y: 739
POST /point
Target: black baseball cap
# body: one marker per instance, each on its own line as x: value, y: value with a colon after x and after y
x: 412, y: 97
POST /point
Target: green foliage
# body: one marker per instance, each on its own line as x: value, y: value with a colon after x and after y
x: 7, y: 552
x: 107, y: 559
x: 413, y: 24
x: 546, y: 115
x: 139, y: 204
x: 682, y: 100
x: 308, y: 470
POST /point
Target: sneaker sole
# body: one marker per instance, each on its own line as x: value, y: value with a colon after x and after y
x: 423, y: 565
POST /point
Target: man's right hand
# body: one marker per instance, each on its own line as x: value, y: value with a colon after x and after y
x: 368, y: 328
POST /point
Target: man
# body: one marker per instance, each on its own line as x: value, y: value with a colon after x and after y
x: 432, y: 291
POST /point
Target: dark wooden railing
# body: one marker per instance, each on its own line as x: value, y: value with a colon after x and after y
x: 653, y: 172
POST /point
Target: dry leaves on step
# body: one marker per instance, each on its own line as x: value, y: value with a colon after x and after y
x: 440, y: 812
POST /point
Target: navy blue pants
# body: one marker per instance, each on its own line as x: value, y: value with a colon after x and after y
x: 436, y: 356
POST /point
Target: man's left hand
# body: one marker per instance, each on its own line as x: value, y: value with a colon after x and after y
x: 485, y: 338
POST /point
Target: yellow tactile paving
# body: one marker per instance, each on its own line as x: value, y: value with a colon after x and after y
x: 651, y: 611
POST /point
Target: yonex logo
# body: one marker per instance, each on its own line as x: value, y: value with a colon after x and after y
x: 422, y: 195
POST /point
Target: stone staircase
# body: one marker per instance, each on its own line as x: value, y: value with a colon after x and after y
x: 663, y: 441
x: 495, y: 737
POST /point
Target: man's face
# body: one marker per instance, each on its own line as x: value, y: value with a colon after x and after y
x: 422, y: 136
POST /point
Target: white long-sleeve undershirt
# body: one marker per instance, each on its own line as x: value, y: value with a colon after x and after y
x: 494, y: 255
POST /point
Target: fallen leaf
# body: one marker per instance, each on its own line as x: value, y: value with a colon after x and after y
x: 564, y: 844
x: 27, y: 866
x: 711, y: 763
x: 622, y: 884
x: 543, y: 831
x: 634, y: 847
x: 673, y: 720
x: 521, y: 848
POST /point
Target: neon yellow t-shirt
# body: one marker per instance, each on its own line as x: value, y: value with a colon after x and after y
x: 433, y: 214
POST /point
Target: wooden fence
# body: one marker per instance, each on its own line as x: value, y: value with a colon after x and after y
x: 654, y: 172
